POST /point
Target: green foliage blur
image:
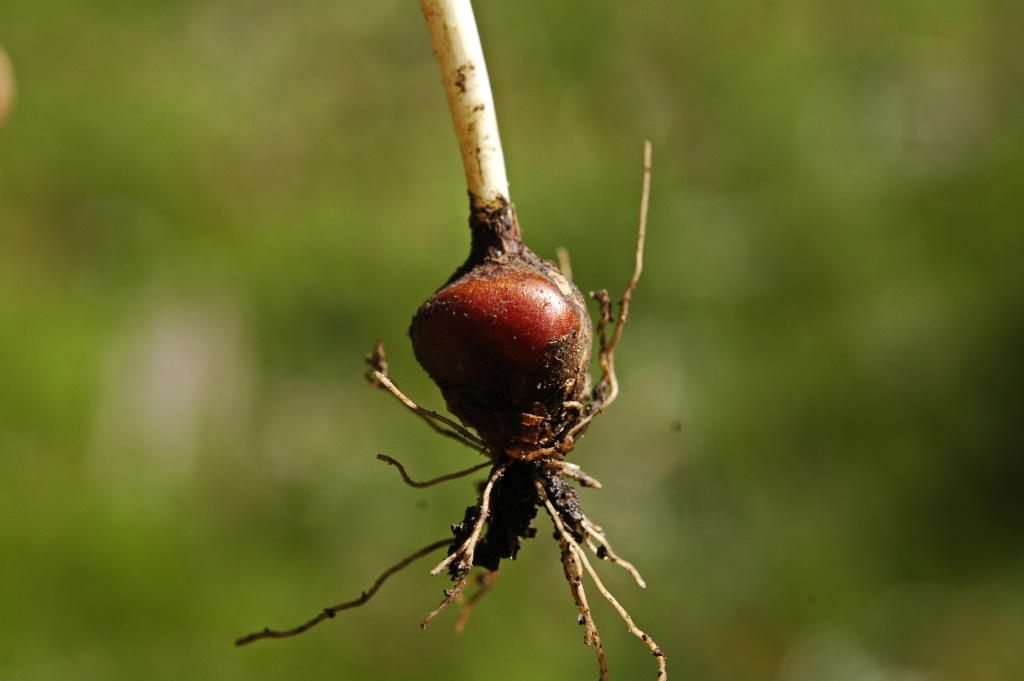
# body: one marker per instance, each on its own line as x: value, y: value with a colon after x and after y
x: 209, y: 211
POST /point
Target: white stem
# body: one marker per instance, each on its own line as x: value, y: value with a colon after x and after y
x: 457, y: 47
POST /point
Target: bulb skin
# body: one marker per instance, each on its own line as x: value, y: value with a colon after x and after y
x: 508, y: 343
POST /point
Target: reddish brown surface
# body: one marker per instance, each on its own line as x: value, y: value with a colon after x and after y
x: 490, y: 331
x: 507, y: 341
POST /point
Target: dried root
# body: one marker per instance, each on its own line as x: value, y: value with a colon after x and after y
x: 485, y: 580
x: 460, y: 561
x: 430, y: 483
x: 574, y: 560
x: 607, y: 389
x: 328, y: 613
x: 377, y: 375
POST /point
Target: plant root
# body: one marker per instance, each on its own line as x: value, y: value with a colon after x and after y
x: 430, y: 483
x: 328, y: 613
x: 377, y: 375
x: 574, y: 561
x: 607, y: 389
x: 485, y: 582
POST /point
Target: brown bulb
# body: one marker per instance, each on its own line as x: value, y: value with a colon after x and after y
x: 508, y: 343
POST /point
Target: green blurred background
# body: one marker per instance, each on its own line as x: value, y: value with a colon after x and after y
x: 210, y: 210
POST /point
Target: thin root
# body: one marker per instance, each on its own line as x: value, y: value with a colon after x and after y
x: 572, y: 470
x: 429, y: 483
x: 432, y: 418
x: 606, y: 354
x: 328, y: 613
x: 449, y: 596
x: 464, y: 553
x: 376, y: 363
x: 645, y: 194
x: 604, y: 551
x: 578, y: 557
x: 635, y: 630
x: 485, y: 581
x: 574, y: 575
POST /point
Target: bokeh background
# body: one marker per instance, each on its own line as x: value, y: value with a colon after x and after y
x: 210, y: 210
